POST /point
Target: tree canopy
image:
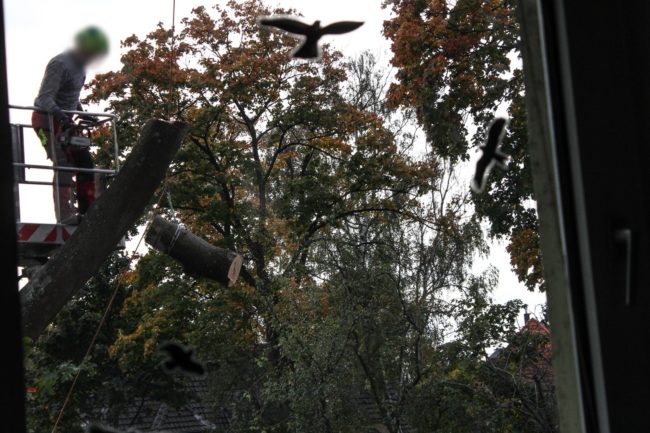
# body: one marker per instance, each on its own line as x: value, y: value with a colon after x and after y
x: 358, y: 290
x: 458, y: 62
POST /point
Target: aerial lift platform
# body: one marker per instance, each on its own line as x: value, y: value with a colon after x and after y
x: 38, y: 240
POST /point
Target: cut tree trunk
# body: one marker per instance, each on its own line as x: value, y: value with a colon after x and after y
x: 198, y: 257
x: 107, y: 221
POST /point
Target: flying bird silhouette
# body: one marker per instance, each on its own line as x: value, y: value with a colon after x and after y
x: 310, y: 34
x: 491, y: 154
x: 181, y: 357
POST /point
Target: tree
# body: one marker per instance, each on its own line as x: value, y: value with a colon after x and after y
x: 357, y: 289
x: 52, y: 285
x: 106, y: 382
x: 458, y: 62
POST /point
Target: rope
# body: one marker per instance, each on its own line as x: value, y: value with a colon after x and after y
x: 179, y: 225
x: 92, y: 343
x: 144, y: 234
x: 171, y: 205
x: 171, y: 62
x: 103, y: 319
x: 177, y: 234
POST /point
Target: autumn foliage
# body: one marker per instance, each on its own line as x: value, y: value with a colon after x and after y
x: 458, y: 63
x: 357, y: 308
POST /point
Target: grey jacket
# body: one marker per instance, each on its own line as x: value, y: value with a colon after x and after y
x: 64, y: 78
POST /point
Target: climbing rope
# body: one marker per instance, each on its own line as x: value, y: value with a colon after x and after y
x: 179, y: 228
x: 92, y: 343
x: 103, y: 319
x: 172, y: 102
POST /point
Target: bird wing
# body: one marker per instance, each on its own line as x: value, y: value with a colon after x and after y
x: 501, y: 159
x: 495, y: 135
x: 341, y: 27
x: 287, y: 24
x: 482, y: 166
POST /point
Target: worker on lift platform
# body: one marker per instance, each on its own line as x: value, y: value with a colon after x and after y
x: 64, y: 78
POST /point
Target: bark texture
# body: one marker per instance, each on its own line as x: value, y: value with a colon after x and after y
x: 109, y: 218
x: 198, y: 257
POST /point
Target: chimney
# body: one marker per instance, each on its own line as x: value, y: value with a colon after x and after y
x: 526, y: 315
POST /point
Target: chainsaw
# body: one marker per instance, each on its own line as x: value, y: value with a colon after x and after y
x: 79, y: 135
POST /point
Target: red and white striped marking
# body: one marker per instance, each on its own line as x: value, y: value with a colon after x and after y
x: 44, y: 233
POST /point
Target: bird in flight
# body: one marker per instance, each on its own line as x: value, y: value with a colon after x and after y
x: 491, y: 154
x: 181, y: 357
x: 310, y: 34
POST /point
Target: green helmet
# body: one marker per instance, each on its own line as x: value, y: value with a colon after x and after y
x: 92, y: 41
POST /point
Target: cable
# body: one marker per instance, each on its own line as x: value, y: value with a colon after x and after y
x: 103, y: 319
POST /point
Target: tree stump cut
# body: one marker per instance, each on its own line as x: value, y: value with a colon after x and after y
x: 198, y: 257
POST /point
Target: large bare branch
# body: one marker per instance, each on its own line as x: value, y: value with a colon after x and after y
x: 115, y: 212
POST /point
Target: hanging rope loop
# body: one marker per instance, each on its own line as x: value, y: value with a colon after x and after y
x: 177, y: 234
x: 171, y: 206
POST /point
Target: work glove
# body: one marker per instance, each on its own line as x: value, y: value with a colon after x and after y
x: 64, y: 120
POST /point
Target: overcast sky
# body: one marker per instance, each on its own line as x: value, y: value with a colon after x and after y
x: 37, y: 30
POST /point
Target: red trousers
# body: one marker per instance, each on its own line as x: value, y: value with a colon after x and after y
x: 68, y: 156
